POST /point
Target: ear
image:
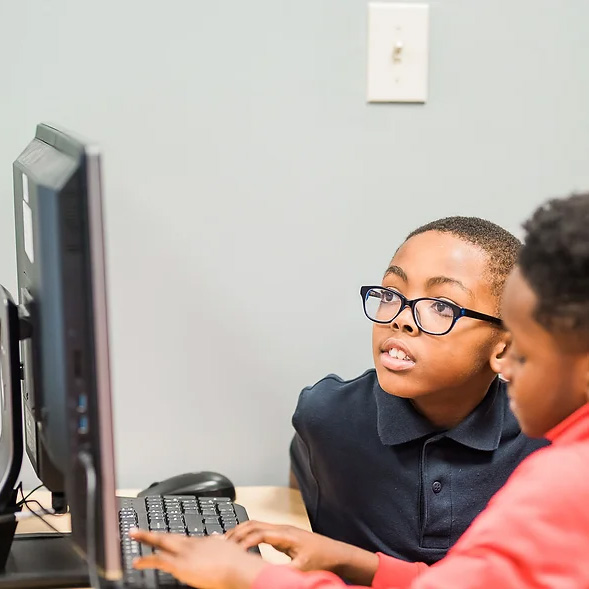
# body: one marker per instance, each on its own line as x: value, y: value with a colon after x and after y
x: 499, y: 351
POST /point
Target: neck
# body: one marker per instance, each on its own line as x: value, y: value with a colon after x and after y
x: 446, y: 409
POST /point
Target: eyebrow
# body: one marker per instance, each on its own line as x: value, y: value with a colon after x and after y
x: 398, y: 271
x: 433, y: 281
x: 439, y: 280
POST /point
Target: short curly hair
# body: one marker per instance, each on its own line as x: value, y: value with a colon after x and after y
x: 555, y: 262
x: 501, y: 247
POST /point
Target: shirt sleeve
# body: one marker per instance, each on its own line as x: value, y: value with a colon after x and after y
x: 313, y: 413
x: 392, y: 573
x: 300, y: 461
x: 395, y: 573
x: 283, y: 577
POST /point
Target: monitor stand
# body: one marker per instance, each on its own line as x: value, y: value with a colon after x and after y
x: 43, y: 561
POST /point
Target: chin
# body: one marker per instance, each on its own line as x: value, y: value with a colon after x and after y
x: 530, y: 431
x: 398, y: 384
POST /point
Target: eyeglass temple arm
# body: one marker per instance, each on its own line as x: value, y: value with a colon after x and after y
x: 481, y: 316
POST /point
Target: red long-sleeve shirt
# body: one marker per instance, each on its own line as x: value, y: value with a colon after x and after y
x: 533, y: 533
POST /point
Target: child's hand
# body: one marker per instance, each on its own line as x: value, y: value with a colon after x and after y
x: 309, y: 552
x: 207, y: 563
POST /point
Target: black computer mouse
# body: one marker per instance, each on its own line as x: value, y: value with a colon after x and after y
x: 198, y: 484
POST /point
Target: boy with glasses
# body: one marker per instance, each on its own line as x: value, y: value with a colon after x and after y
x: 401, y: 459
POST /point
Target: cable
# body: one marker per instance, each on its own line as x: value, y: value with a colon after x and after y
x: 44, y: 511
x: 20, y: 515
x: 24, y: 499
x: 16, y: 490
x: 88, y: 464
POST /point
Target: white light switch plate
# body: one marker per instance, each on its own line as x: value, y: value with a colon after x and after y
x: 398, y: 46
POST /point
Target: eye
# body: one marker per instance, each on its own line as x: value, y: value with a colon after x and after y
x: 442, y: 308
x: 388, y: 296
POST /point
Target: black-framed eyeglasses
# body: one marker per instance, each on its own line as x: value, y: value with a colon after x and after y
x: 432, y: 316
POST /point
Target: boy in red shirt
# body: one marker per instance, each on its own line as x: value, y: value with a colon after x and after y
x: 535, y: 530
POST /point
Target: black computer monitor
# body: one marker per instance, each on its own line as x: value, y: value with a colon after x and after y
x: 11, y: 445
x: 62, y: 296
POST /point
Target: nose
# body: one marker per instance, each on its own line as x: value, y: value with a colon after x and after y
x: 404, y: 321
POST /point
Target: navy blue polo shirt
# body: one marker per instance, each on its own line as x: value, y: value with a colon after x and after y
x: 375, y: 473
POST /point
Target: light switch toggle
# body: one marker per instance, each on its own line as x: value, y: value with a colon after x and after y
x: 398, y: 52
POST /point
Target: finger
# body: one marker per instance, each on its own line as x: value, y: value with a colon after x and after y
x: 241, y: 528
x: 252, y: 539
x: 161, y: 561
x: 167, y: 542
x: 277, y: 538
x: 247, y: 528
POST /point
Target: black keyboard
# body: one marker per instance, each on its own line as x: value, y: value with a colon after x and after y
x: 184, y: 515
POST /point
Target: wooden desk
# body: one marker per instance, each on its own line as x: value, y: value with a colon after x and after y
x: 277, y: 505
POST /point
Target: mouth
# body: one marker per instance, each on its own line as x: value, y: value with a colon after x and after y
x: 395, y: 356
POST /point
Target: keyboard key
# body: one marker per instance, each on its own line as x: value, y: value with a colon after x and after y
x: 133, y: 578
x: 194, y: 523
x: 157, y: 525
x: 213, y: 529
x: 166, y: 579
x: 176, y: 524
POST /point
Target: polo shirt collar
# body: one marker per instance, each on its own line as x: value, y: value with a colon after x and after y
x: 399, y: 422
